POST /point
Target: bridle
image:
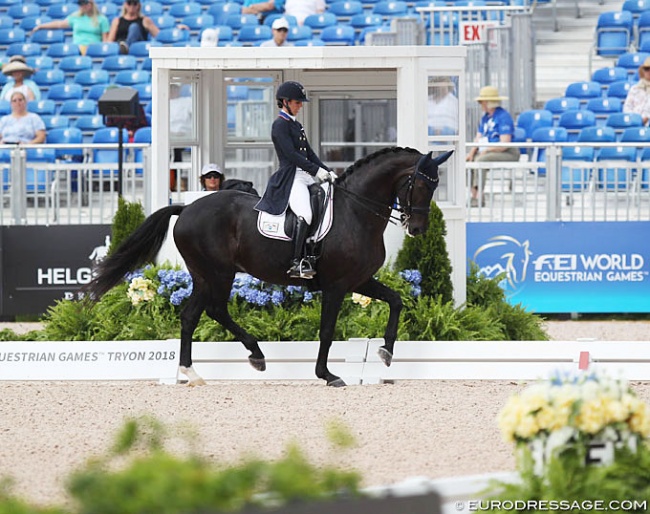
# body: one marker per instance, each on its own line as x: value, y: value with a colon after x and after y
x: 408, y: 182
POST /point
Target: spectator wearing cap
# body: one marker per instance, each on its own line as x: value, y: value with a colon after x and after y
x: 21, y: 126
x: 131, y: 26
x: 638, y: 97
x: 262, y: 8
x: 211, y: 177
x: 18, y: 71
x: 496, y: 126
x: 303, y: 8
x: 88, y: 25
x: 280, y: 31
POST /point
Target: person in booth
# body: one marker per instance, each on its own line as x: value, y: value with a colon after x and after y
x: 299, y: 168
x: 211, y: 177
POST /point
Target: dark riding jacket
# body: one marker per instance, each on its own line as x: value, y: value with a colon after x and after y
x: 293, y: 152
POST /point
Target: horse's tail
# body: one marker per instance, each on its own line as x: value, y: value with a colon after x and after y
x: 138, y: 249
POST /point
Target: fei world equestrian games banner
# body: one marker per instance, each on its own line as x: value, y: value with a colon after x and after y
x: 556, y: 267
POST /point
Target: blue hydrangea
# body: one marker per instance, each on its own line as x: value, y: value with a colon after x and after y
x: 413, y: 277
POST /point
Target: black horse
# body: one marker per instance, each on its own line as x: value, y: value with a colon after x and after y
x: 217, y: 237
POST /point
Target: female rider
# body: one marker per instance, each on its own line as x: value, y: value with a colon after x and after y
x: 299, y: 168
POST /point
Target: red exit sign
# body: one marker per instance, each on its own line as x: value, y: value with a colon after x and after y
x: 474, y: 31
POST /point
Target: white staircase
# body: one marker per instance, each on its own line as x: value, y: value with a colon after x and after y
x: 562, y: 56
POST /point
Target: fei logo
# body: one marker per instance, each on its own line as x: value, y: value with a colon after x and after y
x: 504, y: 254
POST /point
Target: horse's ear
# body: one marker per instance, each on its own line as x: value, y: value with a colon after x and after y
x: 442, y: 157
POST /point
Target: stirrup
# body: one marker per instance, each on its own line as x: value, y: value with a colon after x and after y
x: 303, y: 269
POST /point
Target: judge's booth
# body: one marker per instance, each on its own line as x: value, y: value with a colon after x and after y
x: 217, y: 105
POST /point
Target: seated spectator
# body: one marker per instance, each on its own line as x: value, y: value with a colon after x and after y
x: 638, y: 97
x: 496, y: 126
x: 18, y: 70
x: 88, y: 25
x: 131, y: 26
x: 280, y: 32
x: 211, y: 177
x: 303, y: 8
x: 443, y: 107
x: 21, y: 126
x: 262, y: 8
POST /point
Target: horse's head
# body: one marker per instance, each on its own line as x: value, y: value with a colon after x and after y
x: 415, y: 198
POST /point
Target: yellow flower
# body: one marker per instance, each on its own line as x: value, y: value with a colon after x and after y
x: 364, y: 301
x: 141, y: 290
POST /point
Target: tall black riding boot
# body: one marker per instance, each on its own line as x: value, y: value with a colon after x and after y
x: 300, y: 267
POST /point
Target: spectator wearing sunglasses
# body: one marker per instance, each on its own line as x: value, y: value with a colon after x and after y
x: 131, y: 26
x: 280, y: 29
x: 88, y: 25
x: 211, y: 177
x: 638, y: 97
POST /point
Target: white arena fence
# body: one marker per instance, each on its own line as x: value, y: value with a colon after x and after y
x: 541, y: 186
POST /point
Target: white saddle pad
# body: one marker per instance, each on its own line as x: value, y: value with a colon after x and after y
x: 273, y: 226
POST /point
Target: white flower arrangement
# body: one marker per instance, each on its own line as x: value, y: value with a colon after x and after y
x: 360, y: 299
x: 568, y: 409
x: 141, y: 290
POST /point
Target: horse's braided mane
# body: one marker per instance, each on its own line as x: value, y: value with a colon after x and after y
x: 368, y: 158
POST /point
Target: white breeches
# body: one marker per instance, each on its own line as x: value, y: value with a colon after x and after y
x: 299, y: 197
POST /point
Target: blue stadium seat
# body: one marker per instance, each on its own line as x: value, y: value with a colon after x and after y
x: 25, y: 49
x: 237, y: 21
x: 47, y: 78
x: 619, y: 89
x: 254, y: 34
x: 182, y: 9
x: 299, y: 33
x: 318, y: 22
x: 40, y: 62
x: 221, y: 11
x: 76, y: 108
x: 291, y: 20
x: 361, y: 21
x: 59, y: 11
x: 577, y: 176
x: 345, y: 9
x: 620, y: 121
x: 9, y: 36
x: 388, y: 9
x: 546, y: 135
x: 89, y: 78
x: 605, y: 76
x: 42, y: 106
x: 62, y: 92
x: 38, y: 180
x: 144, y: 91
x: 230, y: 43
x: 53, y: 121
x: 613, y: 176
x: 169, y: 3
x: 614, y: 30
x: 636, y: 8
x: 131, y: 77
x: 531, y: 119
x: 48, y: 37
x: 575, y: 120
x: 310, y: 42
x: 560, y: 104
x: 107, y: 155
x: 109, y: 9
x: 5, y: 107
x: 631, y: 61
x: 596, y: 135
x: 164, y: 21
x: 140, y: 49
x: 115, y: 63
x: 152, y: 9
x: 23, y: 10
x: 75, y: 63
x: 89, y: 124
x: 603, y: 107
x: 28, y: 23
x: 172, y: 35
x: 96, y: 91
x: 142, y: 135
x: 583, y: 90
x: 643, y: 30
x: 198, y: 22
x: 60, y: 50
x: 100, y: 51
x: 67, y: 136
x: 338, y: 35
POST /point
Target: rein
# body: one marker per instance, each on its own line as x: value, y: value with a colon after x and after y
x: 405, y: 212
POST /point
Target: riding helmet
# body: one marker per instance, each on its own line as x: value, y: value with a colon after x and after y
x: 291, y: 90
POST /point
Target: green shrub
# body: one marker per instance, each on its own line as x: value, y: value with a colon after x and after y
x: 428, y: 254
x: 128, y: 217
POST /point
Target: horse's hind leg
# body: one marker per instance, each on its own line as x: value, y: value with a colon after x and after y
x: 375, y: 289
x: 190, y: 316
x: 329, y: 313
x: 218, y: 311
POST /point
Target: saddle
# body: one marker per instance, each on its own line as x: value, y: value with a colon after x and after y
x: 283, y: 226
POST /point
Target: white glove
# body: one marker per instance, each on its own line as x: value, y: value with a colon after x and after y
x: 325, y: 176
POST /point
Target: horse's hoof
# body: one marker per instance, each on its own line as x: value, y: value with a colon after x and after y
x: 194, y: 379
x: 196, y: 382
x: 258, y: 364
x: 385, y: 356
x: 337, y: 382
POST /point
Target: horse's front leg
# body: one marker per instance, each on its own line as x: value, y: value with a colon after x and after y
x: 375, y: 289
x: 329, y: 313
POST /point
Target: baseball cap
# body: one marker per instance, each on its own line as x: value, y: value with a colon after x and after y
x: 211, y: 168
x: 280, y: 23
